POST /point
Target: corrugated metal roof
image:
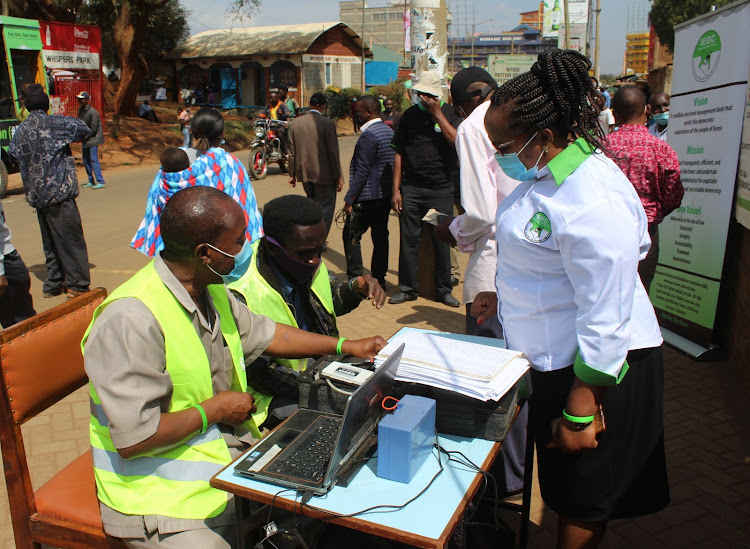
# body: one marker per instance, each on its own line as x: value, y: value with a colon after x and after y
x: 276, y: 39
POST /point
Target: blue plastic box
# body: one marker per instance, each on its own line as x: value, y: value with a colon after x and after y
x: 406, y: 438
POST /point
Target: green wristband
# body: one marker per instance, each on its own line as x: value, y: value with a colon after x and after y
x: 577, y: 419
x: 338, y: 345
x: 202, y: 412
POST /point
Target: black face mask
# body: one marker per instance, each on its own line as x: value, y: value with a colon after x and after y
x: 297, y: 271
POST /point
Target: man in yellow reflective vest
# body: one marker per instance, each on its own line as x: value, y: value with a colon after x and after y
x: 288, y: 282
x: 170, y: 404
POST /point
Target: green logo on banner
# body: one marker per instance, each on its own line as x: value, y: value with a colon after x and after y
x: 706, y: 55
x: 538, y: 229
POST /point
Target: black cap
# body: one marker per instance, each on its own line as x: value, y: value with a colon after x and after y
x: 318, y: 99
x: 465, y: 78
x: 35, y: 98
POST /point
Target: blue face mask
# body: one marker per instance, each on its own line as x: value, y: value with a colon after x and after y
x: 662, y: 119
x: 241, y: 262
x: 514, y: 168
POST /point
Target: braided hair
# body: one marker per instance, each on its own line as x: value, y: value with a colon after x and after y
x: 556, y: 93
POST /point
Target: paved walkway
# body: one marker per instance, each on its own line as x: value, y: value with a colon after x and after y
x: 708, y: 438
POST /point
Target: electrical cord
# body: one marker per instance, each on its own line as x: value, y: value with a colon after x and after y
x: 332, y: 386
x: 385, y: 507
x: 467, y: 519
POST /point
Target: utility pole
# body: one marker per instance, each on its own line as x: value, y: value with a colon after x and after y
x: 473, y: 32
x: 567, y: 24
x: 362, y: 36
x: 429, y: 37
x: 597, y: 62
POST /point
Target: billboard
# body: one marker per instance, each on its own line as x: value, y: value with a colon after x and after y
x: 71, y: 46
x: 709, y: 95
x: 554, y: 17
x: 504, y: 67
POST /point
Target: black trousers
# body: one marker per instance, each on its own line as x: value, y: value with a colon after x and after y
x: 373, y: 215
x: 416, y: 201
x: 65, y: 250
x: 325, y: 195
x: 16, y: 304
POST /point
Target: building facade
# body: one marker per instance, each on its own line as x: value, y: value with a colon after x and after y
x: 534, y: 19
x: 468, y: 51
x: 242, y: 66
x: 636, y: 53
x: 383, y: 26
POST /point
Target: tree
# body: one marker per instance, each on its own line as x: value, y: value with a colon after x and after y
x: 167, y: 27
x: 47, y: 10
x: 665, y: 14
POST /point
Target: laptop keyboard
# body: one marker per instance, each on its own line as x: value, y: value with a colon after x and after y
x: 308, y: 459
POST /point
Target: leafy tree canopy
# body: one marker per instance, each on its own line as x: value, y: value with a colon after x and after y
x: 167, y: 27
x: 665, y: 14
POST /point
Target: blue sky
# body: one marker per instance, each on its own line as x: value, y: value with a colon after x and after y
x: 614, y: 19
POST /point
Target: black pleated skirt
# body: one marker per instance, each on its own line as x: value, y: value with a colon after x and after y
x: 626, y: 475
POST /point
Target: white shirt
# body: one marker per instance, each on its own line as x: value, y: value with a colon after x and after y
x: 483, y: 187
x: 570, y: 284
x: 653, y: 129
x: 369, y: 123
x: 5, y: 246
x: 606, y: 119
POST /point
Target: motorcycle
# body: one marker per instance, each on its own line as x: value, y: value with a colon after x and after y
x: 266, y: 147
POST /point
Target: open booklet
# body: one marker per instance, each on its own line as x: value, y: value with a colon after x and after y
x: 432, y: 215
x: 485, y: 372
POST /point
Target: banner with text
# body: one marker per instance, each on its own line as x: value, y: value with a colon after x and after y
x: 506, y: 67
x: 742, y: 212
x: 706, y: 114
x: 71, y: 46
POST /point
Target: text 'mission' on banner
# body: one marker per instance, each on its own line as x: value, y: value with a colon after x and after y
x: 712, y: 56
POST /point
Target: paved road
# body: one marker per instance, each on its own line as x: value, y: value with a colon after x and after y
x: 111, y: 216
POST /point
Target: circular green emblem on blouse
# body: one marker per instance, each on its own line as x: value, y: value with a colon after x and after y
x: 538, y: 229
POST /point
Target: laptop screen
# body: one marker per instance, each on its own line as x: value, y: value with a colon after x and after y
x: 362, y: 413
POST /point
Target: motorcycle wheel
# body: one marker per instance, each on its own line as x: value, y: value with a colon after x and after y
x: 282, y: 165
x: 258, y: 165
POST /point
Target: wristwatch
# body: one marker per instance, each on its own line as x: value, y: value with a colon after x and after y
x: 575, y: 426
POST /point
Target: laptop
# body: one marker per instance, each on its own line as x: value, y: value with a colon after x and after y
x: 311, y: 449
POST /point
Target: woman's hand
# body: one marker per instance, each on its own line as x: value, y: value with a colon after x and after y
x: 574, y: 442
x: 484, y: 306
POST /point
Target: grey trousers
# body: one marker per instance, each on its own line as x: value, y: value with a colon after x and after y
x: 65, y: 250
x: 325, y: 195
x: 224, y: 537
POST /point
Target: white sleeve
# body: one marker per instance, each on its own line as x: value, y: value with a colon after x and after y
x: 600, y: 248
x: 478, y: 193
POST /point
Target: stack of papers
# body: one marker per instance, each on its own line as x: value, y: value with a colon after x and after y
x: 480, y: 371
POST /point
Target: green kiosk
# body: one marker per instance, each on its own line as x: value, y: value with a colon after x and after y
x: 22, y: 63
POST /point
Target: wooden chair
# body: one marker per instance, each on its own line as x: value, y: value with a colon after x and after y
x: 41, y: 363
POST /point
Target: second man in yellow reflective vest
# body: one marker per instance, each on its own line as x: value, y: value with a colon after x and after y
x: 288, y: 282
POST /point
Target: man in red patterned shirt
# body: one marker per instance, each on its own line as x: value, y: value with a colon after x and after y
x: 651, y: 165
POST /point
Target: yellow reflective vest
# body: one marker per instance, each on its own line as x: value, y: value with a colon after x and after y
x: 172, y: 483
x: 262, y: 299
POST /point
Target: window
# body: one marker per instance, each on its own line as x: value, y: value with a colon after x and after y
x: 328, y: 74
x: 283, y: 72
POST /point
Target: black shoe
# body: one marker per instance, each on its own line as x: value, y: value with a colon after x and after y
x: 454, y: 280
x: 397, y: 299
x: 448, y: 299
